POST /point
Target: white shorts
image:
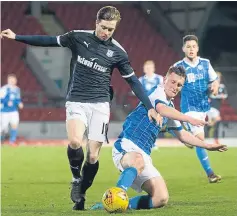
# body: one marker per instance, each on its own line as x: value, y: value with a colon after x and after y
x: 9, y: 118
x: 195, y: 129
x: 213, y: 113
x: 149, y: 171
x: 95, y: 116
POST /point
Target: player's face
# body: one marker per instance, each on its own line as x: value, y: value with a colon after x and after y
x: 173, y: 84
x: 12, y: 81
x: 190, y: 49
x: 149, y: 68
x: 105, y: 29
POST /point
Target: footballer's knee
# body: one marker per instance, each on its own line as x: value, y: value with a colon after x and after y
x: 93, y: 151
x: 160, y: 200
x: 92, y: 158
x: 75, y: 142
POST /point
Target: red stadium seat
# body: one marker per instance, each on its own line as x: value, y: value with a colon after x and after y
x: 11, y: 60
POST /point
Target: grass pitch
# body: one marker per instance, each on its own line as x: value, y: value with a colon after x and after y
x: 35, y: 182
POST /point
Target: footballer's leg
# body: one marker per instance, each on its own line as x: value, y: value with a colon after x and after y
x: 130, y: 164
x: 14, y: 122
x: 157, y: 195
x: 201, y: 152
x: 97, y: 133
x: 205, y: 162
x: 89, y: 171
x: 76, y: 125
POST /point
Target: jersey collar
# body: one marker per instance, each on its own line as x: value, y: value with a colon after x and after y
x: 195, y: 64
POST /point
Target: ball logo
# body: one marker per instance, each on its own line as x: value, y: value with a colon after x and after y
x: 200, y: 67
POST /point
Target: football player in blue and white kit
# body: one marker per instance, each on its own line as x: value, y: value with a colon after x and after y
x: 131, y: 152
x: 10, y: 103
x: 201, y: 80
x: 150, y: 79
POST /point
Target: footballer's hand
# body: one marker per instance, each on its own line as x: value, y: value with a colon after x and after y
x: 196, y: 122
x: 216, y: 147
x: 20, y: 105
x: 214, y: 87
x: 153, y: 115
x: 8, y: 33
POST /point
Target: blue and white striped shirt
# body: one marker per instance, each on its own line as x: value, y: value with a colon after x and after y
x: 138, y: 128
x: 194, y: 94
x: 10, y: 94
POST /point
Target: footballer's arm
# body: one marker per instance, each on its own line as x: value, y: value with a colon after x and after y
x: 186, y: 137
x: 174, y: 114
x: 35, y: 40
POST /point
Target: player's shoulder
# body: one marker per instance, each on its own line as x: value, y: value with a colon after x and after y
x: 180, y: 62
x: 158, y: 91
x: 204, y: 60
x: 118, y: 46
x: 159, y: 94
x: 80, y: 32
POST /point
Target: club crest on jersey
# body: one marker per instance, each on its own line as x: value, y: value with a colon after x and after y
x: 110, y: 53
x: 200, y: 67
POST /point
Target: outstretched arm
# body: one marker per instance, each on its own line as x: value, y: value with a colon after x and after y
x: 174, y: 114
x: 186, y: 137
x: 35, y: 40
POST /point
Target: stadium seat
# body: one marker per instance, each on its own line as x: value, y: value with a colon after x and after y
x: 12, y: 59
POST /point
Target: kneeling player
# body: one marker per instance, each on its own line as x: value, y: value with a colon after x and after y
x: 131, y: 152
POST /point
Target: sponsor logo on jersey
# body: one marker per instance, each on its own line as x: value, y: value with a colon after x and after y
x: 91, y: 64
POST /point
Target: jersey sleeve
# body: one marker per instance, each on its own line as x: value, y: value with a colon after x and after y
x: 158, y: 96
x: 211, y: 72
x: 124, y: 67
x: 66, y: 40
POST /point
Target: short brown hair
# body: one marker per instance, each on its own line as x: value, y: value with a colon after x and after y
x: 189, y: 38
x: 149, y: 62
x: 179, y: 70
x: 11, y: 75
x: 108, y: 13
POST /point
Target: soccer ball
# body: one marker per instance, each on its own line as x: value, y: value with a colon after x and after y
x: 115, y: 200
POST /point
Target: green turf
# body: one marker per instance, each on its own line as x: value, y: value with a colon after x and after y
x: 35, y: 181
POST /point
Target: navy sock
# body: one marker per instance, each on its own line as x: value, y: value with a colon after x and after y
x: 127, y: 178
x: 75, y: 157
x: 89, y: 172
x: 141, y: 202
x: 204, y: 160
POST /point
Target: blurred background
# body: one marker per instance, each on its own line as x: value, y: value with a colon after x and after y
x: 148, y: 31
